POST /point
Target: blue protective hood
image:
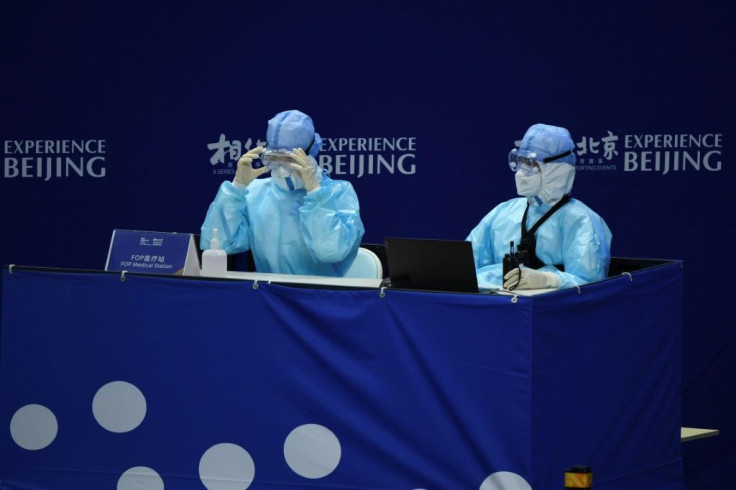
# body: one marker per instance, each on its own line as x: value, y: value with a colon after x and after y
x: 293, y: 129
x: 547, y: 141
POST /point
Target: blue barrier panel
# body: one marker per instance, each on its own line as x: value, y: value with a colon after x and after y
x: 171, y: 382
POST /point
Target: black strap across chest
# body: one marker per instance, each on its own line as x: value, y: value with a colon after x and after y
x: 528, y: 238
x: 524, y: 233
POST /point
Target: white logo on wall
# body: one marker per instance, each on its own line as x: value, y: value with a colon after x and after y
x: 54, y: 159
x: 227, y: 152
x: 357, y: 157
x: 658, y: 153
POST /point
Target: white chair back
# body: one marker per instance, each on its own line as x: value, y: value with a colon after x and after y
x: 366, y: 265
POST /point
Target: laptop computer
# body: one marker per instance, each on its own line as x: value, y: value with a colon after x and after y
x: 431, y: 265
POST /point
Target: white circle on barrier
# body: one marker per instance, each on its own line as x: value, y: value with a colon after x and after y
x: 33, y: 427
x: 119, y: 406
x: 226, y: 467
x: 140, y: 477
x: 312, y: 451
x: 505, y: 480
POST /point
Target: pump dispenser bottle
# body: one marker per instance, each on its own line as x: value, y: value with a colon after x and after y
x: 214, y: 260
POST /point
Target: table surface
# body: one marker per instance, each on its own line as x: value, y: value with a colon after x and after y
x: 303, y: 279
x: 345, y: 281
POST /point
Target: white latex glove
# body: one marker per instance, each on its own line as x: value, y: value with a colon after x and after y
x: 245, y: 174
x: 305, y: 169
x: 530, y: 279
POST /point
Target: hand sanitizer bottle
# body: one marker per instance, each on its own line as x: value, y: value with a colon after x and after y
x: 214, y: 260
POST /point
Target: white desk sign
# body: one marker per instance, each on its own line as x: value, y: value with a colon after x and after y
x: 152, y: 252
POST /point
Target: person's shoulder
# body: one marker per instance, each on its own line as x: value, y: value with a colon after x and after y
x: 580, y: 207
x: 336, y: 184
x: 580, y: 210
x: 259, y: 186
x: 511, y: 204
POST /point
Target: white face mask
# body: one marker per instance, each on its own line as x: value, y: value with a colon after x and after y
x: 528, y: 185
x: 281, y: 172
x: 557, y: 179
x: 289, y: 179
x: 286, y: 179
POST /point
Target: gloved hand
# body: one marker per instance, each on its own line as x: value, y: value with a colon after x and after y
x: 305, y: 169
x: 525, y: 278
x: 245, y: 174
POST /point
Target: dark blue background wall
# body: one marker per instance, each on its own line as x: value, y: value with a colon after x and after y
x: 148, y: 86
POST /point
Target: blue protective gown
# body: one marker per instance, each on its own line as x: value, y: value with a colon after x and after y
x: 574, y: 236
x: 288, y: 231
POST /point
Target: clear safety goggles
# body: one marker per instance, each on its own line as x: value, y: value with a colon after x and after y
x: 528, y: 161
x: 280, y: 157
x: 277, y: 158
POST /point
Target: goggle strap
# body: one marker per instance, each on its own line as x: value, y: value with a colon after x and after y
x: 557, y: 157
x: 311, y: 143
x: 306, y: 150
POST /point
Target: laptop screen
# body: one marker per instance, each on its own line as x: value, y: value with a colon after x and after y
x: 431, y: 265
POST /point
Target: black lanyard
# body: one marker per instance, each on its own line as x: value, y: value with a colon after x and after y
x: 528, y: 238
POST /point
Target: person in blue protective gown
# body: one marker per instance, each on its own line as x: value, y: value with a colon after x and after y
x: 549, y: 238
x: 295, y: 221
